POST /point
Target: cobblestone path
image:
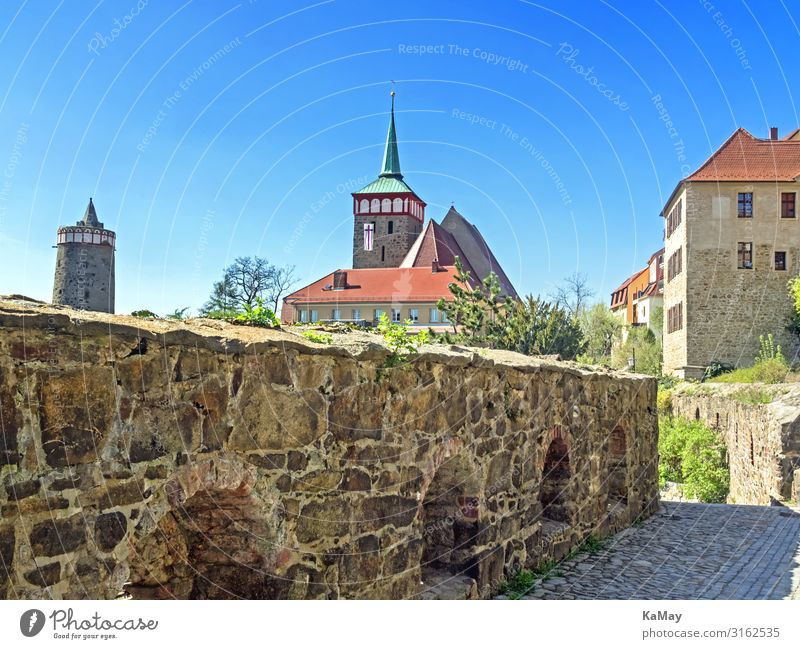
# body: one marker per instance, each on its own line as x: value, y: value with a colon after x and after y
x: 689, y: 551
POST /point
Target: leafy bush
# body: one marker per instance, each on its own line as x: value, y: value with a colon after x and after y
x: 399, y: 339
x: 769, y: 371
x: 716, y: 368
x: 318, y: 337
x: 664, y: 401
x: 694, y: 456
x: 258, y: 314
x: 178, y: 314
x: 518, y: 584
x: 143, y: 313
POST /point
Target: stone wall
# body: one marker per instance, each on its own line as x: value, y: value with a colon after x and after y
x: 763, y: 440
x: 84, y: 277
x: 204, y: 460
x: 405, y: 230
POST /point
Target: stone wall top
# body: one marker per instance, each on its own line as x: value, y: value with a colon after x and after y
x: 223, y: 337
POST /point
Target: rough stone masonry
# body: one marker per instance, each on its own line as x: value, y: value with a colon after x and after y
x: 156, y: 459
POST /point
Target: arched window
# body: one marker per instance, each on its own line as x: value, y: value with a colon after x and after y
x: 555, y: 482
x: 397, y: 205
x: 364, y: 209
x: 375, y: 206
x: 405, y: 205
x: 386, y: 205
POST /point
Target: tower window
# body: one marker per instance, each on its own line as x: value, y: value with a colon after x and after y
x: 386, y: 205
x: 364, y: 209
x: 391, y: 227
x: 745, y: 254
x: 383, y: 253
x: 397, y: 205
x: 780, y: 260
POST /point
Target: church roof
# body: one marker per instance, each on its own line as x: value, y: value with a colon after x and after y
x: 435, y: 243
x: 390, y: 180
x: 391, y: 157
x: 476, y: 251
x: 386, y: 185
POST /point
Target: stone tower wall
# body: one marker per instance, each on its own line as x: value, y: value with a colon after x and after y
x: 84, y: 277
x: 396, y: 245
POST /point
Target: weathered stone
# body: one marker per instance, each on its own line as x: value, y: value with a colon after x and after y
x: 109, y: 530
x: 52, y: 538
x: 44, y: 575
x: 20, y: 490
x: 356, y: 480
x: 330, y: 483
x: 7, y: 546
x: 10, y: 424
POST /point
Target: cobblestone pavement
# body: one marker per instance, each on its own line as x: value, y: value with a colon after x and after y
x: 689, y: 551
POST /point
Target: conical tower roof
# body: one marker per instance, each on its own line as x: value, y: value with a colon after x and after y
x: 391, y: 157
x: 90, y: 217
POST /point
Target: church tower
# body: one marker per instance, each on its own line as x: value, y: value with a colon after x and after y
x: 387, y: 214
x: 84, y: 277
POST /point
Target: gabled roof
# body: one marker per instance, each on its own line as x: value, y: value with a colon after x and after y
x: 743, y: 157
x: 435, y: 243
x: 379, y: 285
x: 619, y: 295
x: 476, y: 250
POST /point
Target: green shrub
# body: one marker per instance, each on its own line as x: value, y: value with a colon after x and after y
x: 258, y: 314
x: 664, y: 401
x: 144, y: 313
x: 318, y: 337
x: 752, y: 396
x: 518, y: 584
x: 694, y: 456
x: 768, y: 371
x: 399, y: 339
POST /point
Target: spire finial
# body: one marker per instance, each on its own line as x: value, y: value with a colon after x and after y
x: 391, y: 158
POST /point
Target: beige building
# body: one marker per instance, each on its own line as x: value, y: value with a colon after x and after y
x: 732, y: 242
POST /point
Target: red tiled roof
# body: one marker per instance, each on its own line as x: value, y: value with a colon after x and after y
x: 619, y: 295
x: 391, y: 285
x: 435, y: 243
x: 744, y: 157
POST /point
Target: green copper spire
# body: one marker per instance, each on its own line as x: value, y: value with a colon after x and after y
x: 391, y: 158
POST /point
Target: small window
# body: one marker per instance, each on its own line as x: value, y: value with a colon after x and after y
x: 434, y: 315
x: 314, y: 316
x: 390, y: 227
x: 383, y: 253
x: 413, y: 315
x: 745, y: 255
x: 780, y: 260
x: 386, y: 205
x: 788, y: 205
x: 395, y: 315
x: 378, y: 314
x: 303, y: 315
x: 444, y: 316
x: 364, y: 209
x: 336, y: 314
x: 356, y: 314
x: 745, y: 203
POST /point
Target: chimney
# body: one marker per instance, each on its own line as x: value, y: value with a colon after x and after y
x: 435, y: 266
x: 339, y: 280
x: 773, y: 133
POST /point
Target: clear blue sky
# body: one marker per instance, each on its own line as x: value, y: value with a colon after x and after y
x: 196, y: 153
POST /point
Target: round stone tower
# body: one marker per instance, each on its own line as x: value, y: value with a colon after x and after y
x: 84, y: 276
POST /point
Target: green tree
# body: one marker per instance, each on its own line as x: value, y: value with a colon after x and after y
x: 247, y: 283
x: 533, y: 326
x: 601, y: 330
x: 642, y: 347
x: 476, y: 311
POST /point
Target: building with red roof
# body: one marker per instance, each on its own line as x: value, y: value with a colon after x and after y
x: 401, y: 265
x: 732, y: 240
x: 635, y: 299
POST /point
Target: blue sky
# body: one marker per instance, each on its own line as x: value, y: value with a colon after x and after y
x: 208, y: 130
